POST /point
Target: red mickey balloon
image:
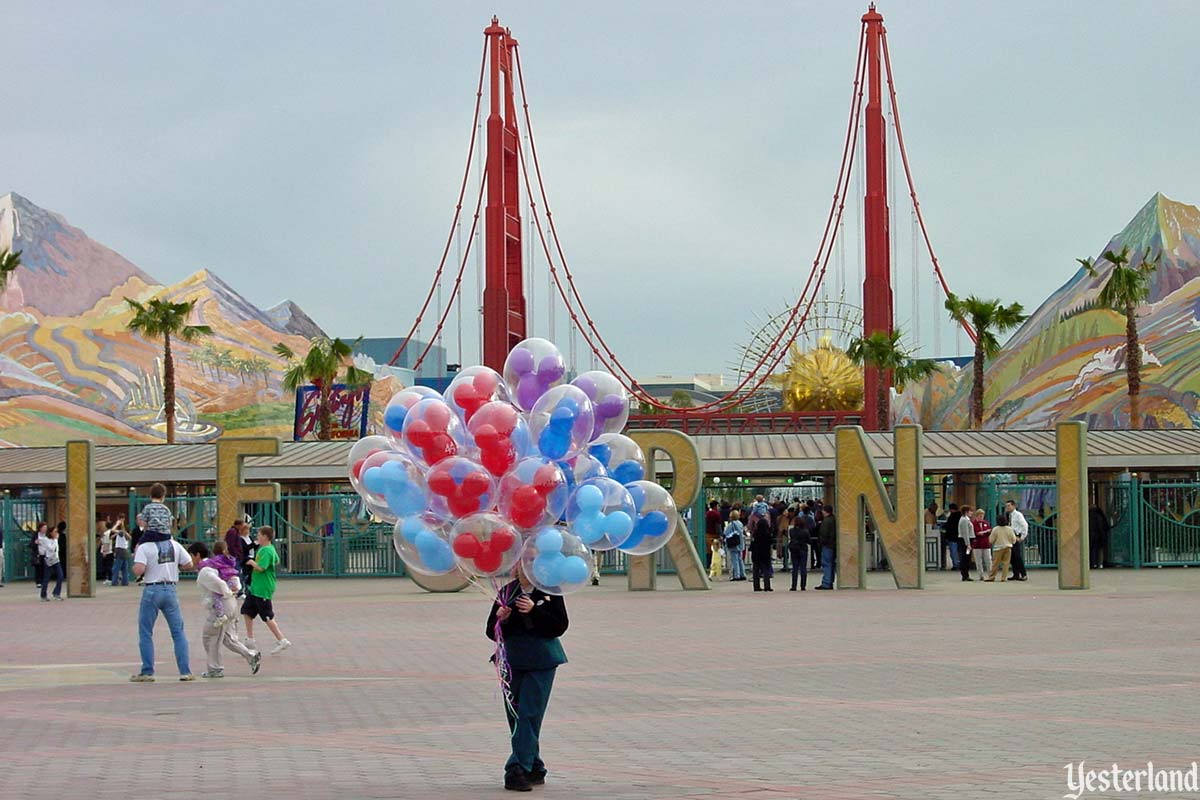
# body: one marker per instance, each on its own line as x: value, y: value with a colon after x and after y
x: 469, y: 399
x: 467, y: 546
x: 502, y: 539
x: 489, y: 561
x: 547, y: 479
x: 528, y: 506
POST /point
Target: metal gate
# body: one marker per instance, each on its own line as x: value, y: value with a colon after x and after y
x: 19, y: 518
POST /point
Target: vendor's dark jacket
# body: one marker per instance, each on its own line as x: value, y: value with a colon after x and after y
x: 531, y: 640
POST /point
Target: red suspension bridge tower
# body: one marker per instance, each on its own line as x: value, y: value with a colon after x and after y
x: 878, y: 313
x: 504, y: 288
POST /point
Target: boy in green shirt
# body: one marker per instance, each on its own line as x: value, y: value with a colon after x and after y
x: 262, y: 589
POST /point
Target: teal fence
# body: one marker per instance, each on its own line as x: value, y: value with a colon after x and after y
x: 19, y: 518
x: 332, y: 535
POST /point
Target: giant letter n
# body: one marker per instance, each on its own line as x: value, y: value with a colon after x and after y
x: 860, y: 489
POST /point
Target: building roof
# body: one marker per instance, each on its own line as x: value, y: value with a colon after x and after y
x: 749, y: 455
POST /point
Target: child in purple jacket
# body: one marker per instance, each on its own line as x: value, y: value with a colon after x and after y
x: 227, y: 569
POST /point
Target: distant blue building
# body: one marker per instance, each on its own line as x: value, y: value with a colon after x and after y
x: 382, y: 349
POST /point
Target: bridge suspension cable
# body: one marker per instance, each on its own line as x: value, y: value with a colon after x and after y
x: 774, y: 352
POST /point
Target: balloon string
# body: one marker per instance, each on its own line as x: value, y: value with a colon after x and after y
x: 500, y: 658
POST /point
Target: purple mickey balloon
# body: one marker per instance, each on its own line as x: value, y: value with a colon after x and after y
x: 521, y: 361
x: 587, y: 385
x: 528, y: 391
x: 550, y: 370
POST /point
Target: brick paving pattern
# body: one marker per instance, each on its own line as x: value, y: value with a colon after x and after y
x: 958, y: 691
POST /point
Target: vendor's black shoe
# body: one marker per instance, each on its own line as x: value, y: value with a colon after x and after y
x: 517, y: 781
x: 537, y: 777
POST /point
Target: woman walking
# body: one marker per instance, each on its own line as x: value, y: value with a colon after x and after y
x: 48, y: 546
x: 734, y: 533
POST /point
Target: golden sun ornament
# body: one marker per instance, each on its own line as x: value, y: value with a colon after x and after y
x: 823, y: 379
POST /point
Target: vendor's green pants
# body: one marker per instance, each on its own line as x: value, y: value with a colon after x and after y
x: 531, y: 693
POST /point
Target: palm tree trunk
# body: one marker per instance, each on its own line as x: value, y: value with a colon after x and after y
x: 169, y: 388
x: 977, y: 387
x: 882, y: 396
x: 1133, y: 366
x: 325, y: 413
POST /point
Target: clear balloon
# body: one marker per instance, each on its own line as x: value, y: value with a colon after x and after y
x: 432, y: 432
x: 459, y: 486
x: 532, y: 368
x: 423, y: 543
x: 655, y: 520
x: 610, y: 401
x: 398, y: 407
x: 501, y: 435
x: 621, y: 456
x: 533, y: 493
x: 473, y: 388
x: 393, y: 485
x: 601, y: 513
x: 356, y: 461
x: 486, y: 545
x: 557, y: 561
x: 561, y: 423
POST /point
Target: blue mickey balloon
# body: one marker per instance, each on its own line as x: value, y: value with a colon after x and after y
x: 655, y: 523
x: 602, y: 453
x: 411, y: 528
x: 573, y: 570
x: 554, y: 443
x: 589, y: 527
x: 639, y: 496
x: 589, y: 498
x: 394, y: 416
x: 628, y: 472
x: 550, y: 540
x: 547, y: 567
x: 617, y: 526
x: 372, y: 480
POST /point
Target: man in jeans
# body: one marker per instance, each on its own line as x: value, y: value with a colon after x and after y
x: 828, y: 534
x: 158, y: 563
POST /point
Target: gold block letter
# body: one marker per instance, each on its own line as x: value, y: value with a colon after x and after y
x: 1070, y: 445
x: 688, y: 476
x: 232, y: 491
x: 861, y: 489
x: 81, y: 521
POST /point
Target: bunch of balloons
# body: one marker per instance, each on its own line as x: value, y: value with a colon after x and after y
x: 513, y: 467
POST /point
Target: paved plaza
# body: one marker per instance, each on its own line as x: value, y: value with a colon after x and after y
x: 959, y: 691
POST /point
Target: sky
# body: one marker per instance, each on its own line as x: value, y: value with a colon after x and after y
x: 313, y: 151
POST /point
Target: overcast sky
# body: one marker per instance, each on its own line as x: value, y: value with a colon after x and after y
x: 313, y: 150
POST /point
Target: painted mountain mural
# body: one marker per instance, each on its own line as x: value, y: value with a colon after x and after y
x: 69, y: 367
x: 1067, y: 361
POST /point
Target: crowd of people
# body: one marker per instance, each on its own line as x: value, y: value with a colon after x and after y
x: 802, y: 536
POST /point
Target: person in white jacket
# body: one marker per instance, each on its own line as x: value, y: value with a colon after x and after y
x: 966, y: 532
x: 220, y: 628
x: 1017, y: 521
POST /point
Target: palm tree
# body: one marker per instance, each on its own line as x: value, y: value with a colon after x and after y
x: 885, y: 352
x: 158, y: 317
x: 987, y: 318
x: 1127, y: 286
x: 9, y: 262
x: 320, y: 368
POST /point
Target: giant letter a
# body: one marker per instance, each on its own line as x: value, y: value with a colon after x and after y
x: 861, y: 489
